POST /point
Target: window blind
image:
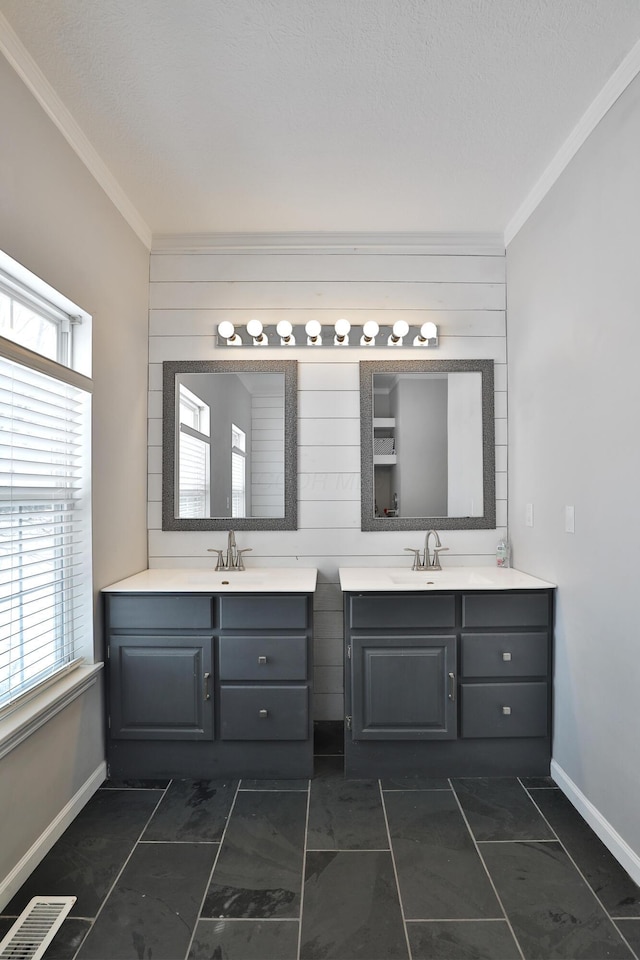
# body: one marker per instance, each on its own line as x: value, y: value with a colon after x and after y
x: 238, y: 494
x: 193, y: 480
x: 45, y: 534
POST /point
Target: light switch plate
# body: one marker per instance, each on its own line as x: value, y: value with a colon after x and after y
x: 528, y: 515
x: 569, y: 520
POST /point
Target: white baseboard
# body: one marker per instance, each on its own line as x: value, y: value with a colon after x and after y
x: 10, y: 884
x: 620, y: 849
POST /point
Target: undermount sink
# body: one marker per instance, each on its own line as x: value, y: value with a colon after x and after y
x: 226, y: 578
x: 441, y: 578
x: 370, y: 579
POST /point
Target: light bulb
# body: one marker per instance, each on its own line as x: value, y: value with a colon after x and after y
x: 226, y: 330
x: 428, y: 330
x: 313, y: 328
x: 400, y: 328
x: 284, y: 329
x: 254, y: 329
x: 370, y: 331
x: 342, y: 327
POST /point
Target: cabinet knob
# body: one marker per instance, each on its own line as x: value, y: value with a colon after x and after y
x: 263, y: 713
x: 205, y: 692
x: 506, y: 656
x: 506, y: 711
x: 262, y: 660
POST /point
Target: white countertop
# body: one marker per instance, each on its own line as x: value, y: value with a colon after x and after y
x: 186, y: 580
x: 365, y: 579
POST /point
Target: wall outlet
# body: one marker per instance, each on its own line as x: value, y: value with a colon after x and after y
x: 569, y: 520
x: 528, y: 515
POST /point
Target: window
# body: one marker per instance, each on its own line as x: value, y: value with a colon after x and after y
x: 45, y: 510
x: 238, y: 471
x: 194, y: 459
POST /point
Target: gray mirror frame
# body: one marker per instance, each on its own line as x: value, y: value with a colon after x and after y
x: 290, y: 370
x: 369, y: 521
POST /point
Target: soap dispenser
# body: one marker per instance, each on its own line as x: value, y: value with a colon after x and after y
x: 503, y: 553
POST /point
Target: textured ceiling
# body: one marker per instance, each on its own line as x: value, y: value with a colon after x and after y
x: 326, y: 115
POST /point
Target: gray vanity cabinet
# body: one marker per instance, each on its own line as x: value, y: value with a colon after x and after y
x: 209, y: 686
x: 448, y: 683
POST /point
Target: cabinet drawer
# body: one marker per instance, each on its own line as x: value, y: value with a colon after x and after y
x: 504, y: 654
x: 263, y: 613
x: 264, y: 712
x: 504, y: 709
x: 505, y: 610
x: 263, y: 658
x: 160, y: 612
x: 373, y: 611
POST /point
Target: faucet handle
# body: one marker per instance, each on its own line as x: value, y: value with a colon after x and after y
x: 436, y: 557
x: 240, y: 563
x: 416, y: 557
x: 220, y: 565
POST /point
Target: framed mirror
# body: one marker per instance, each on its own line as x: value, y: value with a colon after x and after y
x: 427, y: 445
x: 229, y: 445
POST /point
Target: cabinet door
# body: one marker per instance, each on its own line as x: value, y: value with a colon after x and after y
x: 403, y: 688
x: 161, y: 688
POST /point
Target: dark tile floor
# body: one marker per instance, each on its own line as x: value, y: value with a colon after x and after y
x: 333, y: 869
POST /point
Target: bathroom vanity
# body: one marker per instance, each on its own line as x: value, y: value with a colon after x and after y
x: 447, y: 673
x: 209, y: 674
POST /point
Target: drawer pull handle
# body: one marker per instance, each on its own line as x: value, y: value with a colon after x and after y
x: 207, y: 695
x: 262, y: 660
x: 506, y: 711
x: 263, y: 713
x: 506, y: 656
x: 452, y: 686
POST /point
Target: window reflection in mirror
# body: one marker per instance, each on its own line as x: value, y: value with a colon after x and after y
x: 229, y: 437
x: 427, y: 444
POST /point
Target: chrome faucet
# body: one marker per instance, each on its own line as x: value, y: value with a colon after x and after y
x: 425, y: 562
x: 232, y: 551
x: 234, y: 559
x: 437, y: 550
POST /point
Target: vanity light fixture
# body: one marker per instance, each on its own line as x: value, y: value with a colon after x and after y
x: 285, y: 332
x: 370, y: 331
x: 313, y: 329
x: 256, y: 331
x: 398, y: 333
x: 228, y: 332
x: 428, y: 336
x: 341, y: 338
x: 341, y: 333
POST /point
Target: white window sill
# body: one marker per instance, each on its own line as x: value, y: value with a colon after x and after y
x: 26, y: 719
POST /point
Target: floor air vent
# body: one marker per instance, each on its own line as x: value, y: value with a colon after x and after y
x: 35, y: 928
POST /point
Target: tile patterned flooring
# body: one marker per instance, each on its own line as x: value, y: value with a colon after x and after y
x: 335, y: 869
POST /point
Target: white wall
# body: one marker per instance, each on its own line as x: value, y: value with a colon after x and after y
x: 192, y: 292
x: 574, y: 402
x: 57, y: 222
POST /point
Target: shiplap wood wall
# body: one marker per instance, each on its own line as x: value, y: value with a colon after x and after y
x: 459, y: 286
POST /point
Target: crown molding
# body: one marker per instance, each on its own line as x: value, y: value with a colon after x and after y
x: 613, y: 88
x: 473, y: 244
x: 29, y: 72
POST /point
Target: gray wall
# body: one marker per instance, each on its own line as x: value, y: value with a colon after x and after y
x: 57, y: 222
x: 574, y: 401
